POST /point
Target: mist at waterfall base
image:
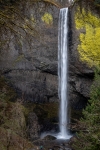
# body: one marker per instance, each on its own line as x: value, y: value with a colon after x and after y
x: 62, y: 77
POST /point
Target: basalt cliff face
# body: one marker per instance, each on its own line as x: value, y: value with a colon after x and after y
x: 80, y: 74
x: 30, y: 64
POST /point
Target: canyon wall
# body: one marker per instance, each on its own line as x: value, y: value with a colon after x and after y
x: 29, y: 63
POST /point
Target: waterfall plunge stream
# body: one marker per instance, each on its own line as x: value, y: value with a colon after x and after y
x: 63, y: 73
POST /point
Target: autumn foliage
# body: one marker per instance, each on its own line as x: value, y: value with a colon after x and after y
x: 89, y: 47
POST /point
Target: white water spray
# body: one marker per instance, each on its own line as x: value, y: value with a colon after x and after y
x: 62, y: 72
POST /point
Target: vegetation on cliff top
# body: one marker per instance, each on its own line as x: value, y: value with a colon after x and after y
x: 95, y: 3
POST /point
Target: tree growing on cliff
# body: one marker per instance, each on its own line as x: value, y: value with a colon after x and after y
x: 89, y: 136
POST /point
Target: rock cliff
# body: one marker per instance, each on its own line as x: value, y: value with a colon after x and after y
x: 30, y: 63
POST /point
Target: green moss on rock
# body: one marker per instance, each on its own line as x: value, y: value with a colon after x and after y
x: 89, y: 46
x: 43, y: 111
x: 12, y: 120
x: 47, y: 18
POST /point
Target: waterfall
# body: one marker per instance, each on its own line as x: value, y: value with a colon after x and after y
x: 63, y: 72
x: 62, y: 76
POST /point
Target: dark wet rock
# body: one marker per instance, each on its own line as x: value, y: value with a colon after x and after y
x: 47, y: 116
x: 33, y: 127
x: 53, y: 144
x: 49, y: 137
x: 50, y: 67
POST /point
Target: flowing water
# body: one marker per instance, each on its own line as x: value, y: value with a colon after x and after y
x: 63, y: 73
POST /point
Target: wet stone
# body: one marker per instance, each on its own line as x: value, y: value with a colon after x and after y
x: 53, y: 144
x: 49, y: 137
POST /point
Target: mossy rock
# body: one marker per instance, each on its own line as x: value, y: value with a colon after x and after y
x: 43, y: 111
x: 14, y: 118
x: 6, y: 92
x: 9, y: 139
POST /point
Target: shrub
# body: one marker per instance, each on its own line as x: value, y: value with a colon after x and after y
x: 89, y: 136
x: 89, y: 46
